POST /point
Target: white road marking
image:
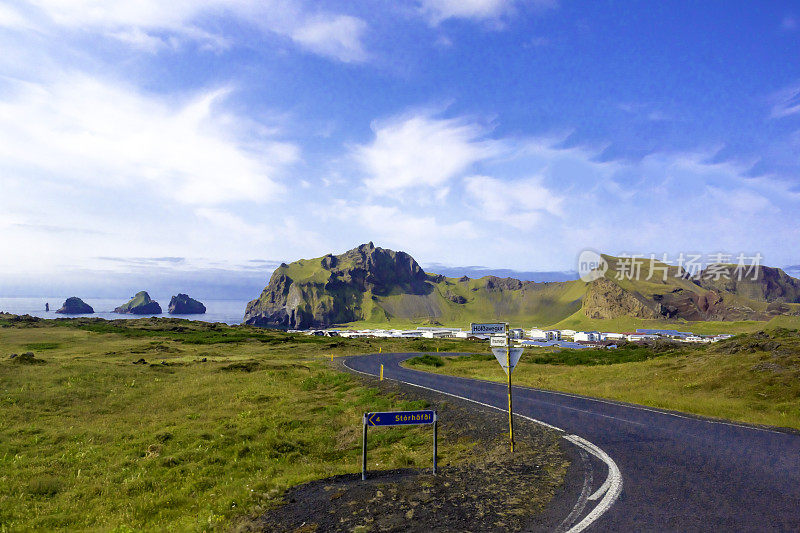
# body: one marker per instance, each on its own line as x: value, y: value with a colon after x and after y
x: 583, y: 499
x: 612, y: 485
x: 613, y: 488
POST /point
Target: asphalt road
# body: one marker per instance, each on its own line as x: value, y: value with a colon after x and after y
x: 678, y: 472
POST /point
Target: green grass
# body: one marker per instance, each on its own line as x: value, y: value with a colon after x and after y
x: 753, y: 378
x: 215, y: 425
x: 627, y: 353
x: 427, y: 360
x: 42, y: 345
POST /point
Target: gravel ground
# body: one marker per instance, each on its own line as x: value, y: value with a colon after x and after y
x: 490, y: 490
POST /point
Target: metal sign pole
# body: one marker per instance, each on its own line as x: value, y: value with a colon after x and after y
x: 510, y: 416
x: 364, y: 450
x: 435, y: 431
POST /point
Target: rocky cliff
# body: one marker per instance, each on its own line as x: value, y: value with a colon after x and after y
x: 605, y: 299
x: 333, y: 289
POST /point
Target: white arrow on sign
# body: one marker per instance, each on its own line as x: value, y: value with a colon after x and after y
x: 500, y: 354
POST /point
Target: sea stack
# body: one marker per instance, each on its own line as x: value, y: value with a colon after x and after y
x: 141, y: 304
x: 182, y: 304
x: 75, y: 306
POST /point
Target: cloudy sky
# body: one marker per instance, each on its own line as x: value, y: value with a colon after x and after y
x: 228, y: 135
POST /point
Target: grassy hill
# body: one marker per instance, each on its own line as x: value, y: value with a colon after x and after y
x: 372, y: 286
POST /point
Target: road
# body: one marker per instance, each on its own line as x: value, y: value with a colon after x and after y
x: 677, y: 472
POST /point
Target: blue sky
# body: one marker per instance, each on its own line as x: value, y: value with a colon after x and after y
x: 508, y: 134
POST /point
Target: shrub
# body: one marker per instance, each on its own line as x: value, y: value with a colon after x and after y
x: 428, y: 360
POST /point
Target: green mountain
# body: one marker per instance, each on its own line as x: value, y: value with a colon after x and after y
x: 374, y: 285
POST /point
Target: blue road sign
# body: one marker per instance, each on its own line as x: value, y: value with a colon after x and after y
x: 399, y: 418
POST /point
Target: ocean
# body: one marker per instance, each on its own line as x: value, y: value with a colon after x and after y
x: 227, y: 311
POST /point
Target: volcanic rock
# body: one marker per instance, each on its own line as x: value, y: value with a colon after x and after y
x: 75, y: 306
x: 182, y: 304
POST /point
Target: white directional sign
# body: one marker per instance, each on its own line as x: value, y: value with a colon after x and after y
x: 498, y: 340
x: 488, y: 329
x: 500, y: 354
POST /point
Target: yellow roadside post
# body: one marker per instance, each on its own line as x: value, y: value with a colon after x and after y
x: 381, y: 372
x: 380, y: 349
x: 331, y: 357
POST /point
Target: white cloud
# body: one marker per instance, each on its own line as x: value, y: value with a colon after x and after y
x: 401, y: 228
x: 333, y: 36
x: 437, y: 11
x: 152, y: 25
x: 11, y: 18
x: 421, y: 151
x: 742, y: 201
x: 100, y: 134
x: 786, y: 102
x: 517, y: 203
x: 136, y: 38
x: 230, y: 222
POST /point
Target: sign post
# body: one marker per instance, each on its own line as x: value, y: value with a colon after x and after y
x: 508, y: 358
x: 397, y: 418
x: 510, y: 411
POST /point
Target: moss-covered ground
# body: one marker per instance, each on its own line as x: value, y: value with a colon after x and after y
x: 164, y: 424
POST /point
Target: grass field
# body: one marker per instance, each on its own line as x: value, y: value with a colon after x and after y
x: 752, y: 378
x: 212, y: 426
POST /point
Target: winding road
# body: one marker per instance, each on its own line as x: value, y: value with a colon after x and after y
x: 654, y: 470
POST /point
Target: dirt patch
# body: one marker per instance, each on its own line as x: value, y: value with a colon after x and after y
x: 486, y: 489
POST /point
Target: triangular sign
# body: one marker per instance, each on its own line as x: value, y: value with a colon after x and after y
x: 500, y: 354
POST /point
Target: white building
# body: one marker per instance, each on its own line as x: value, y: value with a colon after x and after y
x: 545, y: 335
x: 613, y: 336
x: 639, y: 337
x: 516, y: 333
x: 696, y: 338
x: 721, y: 337
x: 587, y: 336
x: 568, y: 333
x: 354, y: 334
x: 439, y: 334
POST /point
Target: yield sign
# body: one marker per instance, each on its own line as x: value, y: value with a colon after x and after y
x: 500, y: 354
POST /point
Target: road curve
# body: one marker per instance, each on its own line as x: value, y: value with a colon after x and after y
x: 681, y: 473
